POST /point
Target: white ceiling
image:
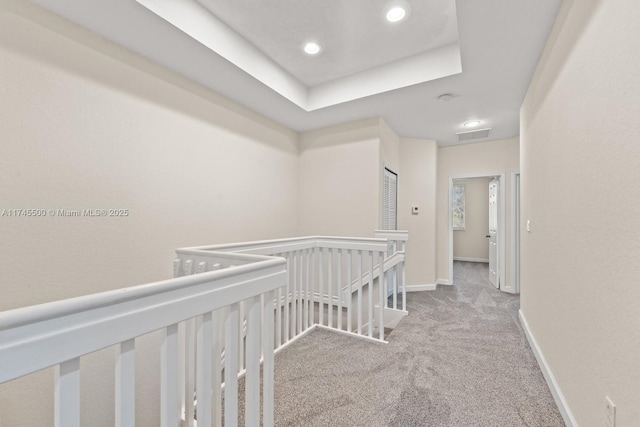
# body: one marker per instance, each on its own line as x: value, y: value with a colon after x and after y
x: 354, y: 34
x: 250, y: 51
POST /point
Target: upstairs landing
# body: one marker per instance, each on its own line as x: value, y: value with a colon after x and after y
x: 459, y: 359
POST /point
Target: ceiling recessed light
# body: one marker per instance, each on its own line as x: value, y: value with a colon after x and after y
x: 312, y: 48
x: 396, y: 14
x: 472, y: 123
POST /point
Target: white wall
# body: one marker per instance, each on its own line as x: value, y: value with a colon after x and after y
x: 340, y: 188
x: 389, y: 157
x: 471, y: 243
x: 417, y: 187
x: 86, y: 125
x: 580, y: 158
x: 470, y: 160
x: 339, y: 180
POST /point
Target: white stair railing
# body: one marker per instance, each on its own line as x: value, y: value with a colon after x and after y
x: 226, y: 312
x: 334, y: 282
x: 395, y: 266
x: 59, y: 333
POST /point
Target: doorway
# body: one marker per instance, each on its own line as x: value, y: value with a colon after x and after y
x: 500, y: 228
x: 471, y: 220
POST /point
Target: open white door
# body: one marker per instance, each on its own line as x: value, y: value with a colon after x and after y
x: 494, y: 188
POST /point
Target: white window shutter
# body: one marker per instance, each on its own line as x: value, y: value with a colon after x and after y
x: 390, y: 200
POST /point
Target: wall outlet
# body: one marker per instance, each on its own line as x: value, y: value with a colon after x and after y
x: 610, y: 420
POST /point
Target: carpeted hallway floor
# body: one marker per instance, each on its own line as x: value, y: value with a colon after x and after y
x: 459, y: 359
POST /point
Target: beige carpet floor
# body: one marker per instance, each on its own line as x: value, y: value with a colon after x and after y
x: 459, y: 359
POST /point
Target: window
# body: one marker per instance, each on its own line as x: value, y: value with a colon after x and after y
x: 389, y: 202
x: 458, y: 206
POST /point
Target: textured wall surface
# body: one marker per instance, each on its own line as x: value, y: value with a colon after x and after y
x: 340, y: 180
x: 580, y: 160
x: 389, y: 157
x: 88, y: 129
x: 418, y: 188
x: 86, y: 125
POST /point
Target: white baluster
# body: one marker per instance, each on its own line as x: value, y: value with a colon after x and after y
x: 398, y: 278
x: 321, y: 286
x: 350, y: 286
x: 241, y: 332
x: 182, y: 368
x: 359, y: 305
x: 231, y: 367
x: 395, y: 283
x: 177, y: 263
x: 267, y: 366
x: 262, y: 303
x: 252, y: 376
x: 370, y: 294
x: 306, y: 290
x: 388, y: 294
x: 339, y: 293
x: 189, y: 370
x: 382, y: 294
x: 203, y: 367
x: 278, y: 295
x: 329, y: 288
x: 294, y: 286
x: 126, y: 384
x: 188, y: 267
x: 201, y: 268
x: 312, y: 290
x: 286, y: 302
x: 216, y: 366
x: 300, y: 293
x: 67, y: 394
x: 402, y: 279
x: 169, y: 394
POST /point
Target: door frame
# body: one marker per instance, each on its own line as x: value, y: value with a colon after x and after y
x: 515, y: 233
x: 502, y: 270
x: 494, y: 235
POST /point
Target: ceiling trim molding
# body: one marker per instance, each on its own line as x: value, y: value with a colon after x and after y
x: 200, y: 24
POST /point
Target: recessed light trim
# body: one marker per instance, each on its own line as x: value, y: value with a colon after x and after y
x: 396, y: 14
x: 396, y: 11
x: 312, y: 48
x: 472, y: 123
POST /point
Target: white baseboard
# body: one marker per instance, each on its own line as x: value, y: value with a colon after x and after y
x: 563, y: 407
x: 294, y: 339
x: 353, y: 334
x: 467, y: 259
x: 443, y: 282
x: 418, y: 288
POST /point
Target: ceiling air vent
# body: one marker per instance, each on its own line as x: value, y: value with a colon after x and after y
x: 473, y: 134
